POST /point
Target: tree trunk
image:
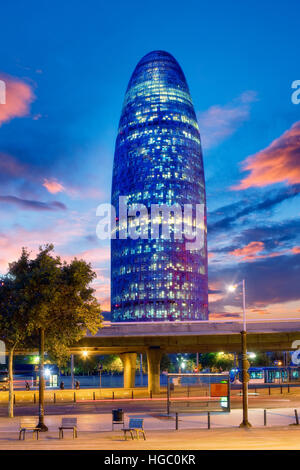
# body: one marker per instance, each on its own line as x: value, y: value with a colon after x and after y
x: 41, y: 424
x: 11, y: 383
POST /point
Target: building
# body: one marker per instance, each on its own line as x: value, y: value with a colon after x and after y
x: 158, y: 160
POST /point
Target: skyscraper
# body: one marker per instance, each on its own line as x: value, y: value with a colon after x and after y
x: 158, y: 160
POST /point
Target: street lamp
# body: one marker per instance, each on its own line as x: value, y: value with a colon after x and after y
x: 245, y: 364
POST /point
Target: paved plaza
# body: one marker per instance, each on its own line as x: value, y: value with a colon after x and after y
x: 95, y: 432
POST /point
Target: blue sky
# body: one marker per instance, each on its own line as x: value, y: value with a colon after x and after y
x: 67, y: 65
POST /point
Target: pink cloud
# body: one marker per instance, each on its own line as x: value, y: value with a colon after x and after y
x: 93, y: 256
x: 53, y: 186
x: 279, y: 162
x: 12, y: 169
x: 220, y: 122
x: 63, y: 233
x: 19, y: 96
x: 76, y: 192
x: 250, y: 251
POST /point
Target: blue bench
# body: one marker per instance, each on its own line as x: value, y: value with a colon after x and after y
x: 135, y: 427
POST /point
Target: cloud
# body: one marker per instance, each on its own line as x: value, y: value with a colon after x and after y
x: 220, y: 122
x: 64, y: 233
x: 13, y: 171
x: 252, y: 252
x: 220, y: 316
x: 272, y: 235
x: 279, y: 162
x: 249, y: 252
x: 19, y: 96
x: 12, y: 168
x: 53, y: 186
x: 33, y: 205
x: 74, y: 192
x: 94, y: 255
x: 233, y: 212
x: 269, y: 280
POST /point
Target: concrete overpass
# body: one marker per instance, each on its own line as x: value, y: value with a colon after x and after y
x: 156, y: 338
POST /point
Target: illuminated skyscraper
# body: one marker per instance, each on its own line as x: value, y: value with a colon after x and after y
x: 158, y: 160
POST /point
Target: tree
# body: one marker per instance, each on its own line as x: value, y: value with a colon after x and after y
x: 165, y: 363
x: 59, y: 303
x: 13, y: 322
x: 111, y: 363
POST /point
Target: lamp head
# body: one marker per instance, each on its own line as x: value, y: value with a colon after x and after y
x: 231, y: 288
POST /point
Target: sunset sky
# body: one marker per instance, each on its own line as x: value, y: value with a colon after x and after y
x: 67, y: 65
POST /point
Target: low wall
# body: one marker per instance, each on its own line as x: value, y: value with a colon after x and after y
x: 76, y: 396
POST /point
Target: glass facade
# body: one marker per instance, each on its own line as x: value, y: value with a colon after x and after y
x: 158, y: 160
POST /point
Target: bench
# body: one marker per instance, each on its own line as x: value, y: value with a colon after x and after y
x: 135, y: 426
x: 29, y: 424
x: 68, y: 423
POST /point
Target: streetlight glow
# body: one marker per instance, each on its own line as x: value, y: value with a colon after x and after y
x: 84, y: 353
x: 231, y: 288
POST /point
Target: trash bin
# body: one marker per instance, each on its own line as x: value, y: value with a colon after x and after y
x: 117, y: 417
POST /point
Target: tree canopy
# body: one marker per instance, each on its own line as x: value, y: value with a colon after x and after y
x: 46, y: 292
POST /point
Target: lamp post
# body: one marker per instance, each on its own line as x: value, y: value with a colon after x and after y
x: 100, y: 367
x: 72, y: 371
x: 245, y: 363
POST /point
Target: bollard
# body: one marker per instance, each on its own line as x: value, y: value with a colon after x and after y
x: 281, y: 389
x: 288, y: 388
x: 297, y: 417
x: 74, y: 397
x: 269, y: 390
x: 208, y: 420
x: 54, y: 397
x: 151, y: 394
x: 14, y: 399
x: 34, y: 398
x: 132, y: 395
x: 176, y: 421
x: 94, y: 396
x: 265, y: 417
x: 113, y: 395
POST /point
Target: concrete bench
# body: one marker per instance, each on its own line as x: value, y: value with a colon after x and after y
x: 68, y: 423
x: 29, y: 424
x: 135, y: 427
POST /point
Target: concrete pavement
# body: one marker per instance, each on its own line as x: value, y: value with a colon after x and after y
x: 156, y: 421
x: 95, y: 432
x: 282, y: 438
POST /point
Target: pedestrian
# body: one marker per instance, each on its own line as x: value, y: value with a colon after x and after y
x: 27, y: 387
x: 77, y: 385
x: 62, y: 386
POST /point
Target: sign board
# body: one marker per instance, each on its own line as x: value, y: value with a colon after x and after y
x: 219, y: 390
x: 191, y: 392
